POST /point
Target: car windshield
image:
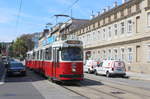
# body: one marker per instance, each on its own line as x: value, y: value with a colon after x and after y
x: 16, y: 65
x: 72, y: 54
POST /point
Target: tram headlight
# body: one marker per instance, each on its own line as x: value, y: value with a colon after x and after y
x: 74, y: 67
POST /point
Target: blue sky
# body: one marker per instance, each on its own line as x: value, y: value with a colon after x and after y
x: 36, y: 13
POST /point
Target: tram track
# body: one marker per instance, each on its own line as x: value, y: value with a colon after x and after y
x: 127, y: 89
x: 87, y: 95
x: 121, y: 93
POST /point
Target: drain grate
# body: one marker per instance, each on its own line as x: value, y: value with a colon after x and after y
x: 117, y: 92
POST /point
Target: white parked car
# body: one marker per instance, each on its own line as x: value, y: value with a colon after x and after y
x: 110, y: 68
x: 90, y: 66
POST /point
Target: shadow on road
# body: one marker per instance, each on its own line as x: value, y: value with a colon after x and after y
x: 85, y: 82
x: 89, y: 82
x: 30, y: 77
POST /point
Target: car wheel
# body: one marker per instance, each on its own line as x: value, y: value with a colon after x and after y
x: 123, y: 76
x: 89, y: 71
x: 107, y: 74
x: 95, y: 72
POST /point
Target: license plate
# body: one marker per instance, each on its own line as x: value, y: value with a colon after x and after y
x: 16, y: 72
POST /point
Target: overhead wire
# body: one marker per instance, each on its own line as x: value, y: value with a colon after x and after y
x: 18, y: 15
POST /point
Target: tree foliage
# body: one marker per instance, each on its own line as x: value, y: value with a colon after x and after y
x: 0, y: 47
x: 22, y: 44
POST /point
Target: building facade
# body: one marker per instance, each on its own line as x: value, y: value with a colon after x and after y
x: 60, y: 31
x: 121, y: 33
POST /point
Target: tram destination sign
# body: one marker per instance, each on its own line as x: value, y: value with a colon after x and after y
x: 72, y: 42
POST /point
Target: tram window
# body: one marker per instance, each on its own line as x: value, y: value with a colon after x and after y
x: 41, y: 52
x: 34, y: 55
x: 38, y: 55
x: 72, y: 54
x: 48, y: 53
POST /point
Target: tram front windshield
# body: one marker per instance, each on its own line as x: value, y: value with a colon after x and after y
x: 72, y: 54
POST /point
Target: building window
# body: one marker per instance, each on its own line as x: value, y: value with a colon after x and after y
x: 94, y: 38
x: 103, y: 21
x: 104, y: 54
x: 115, y: 54
x: 109, y: 32
x: 148, y: 52
x: 137, y: 7
x: 138, y: 53
x: 122, y: 13
x: 103, y: 34
x: 109, y: 19
x: 99, y: 35
x: 109, y: 54
x: 137, y: 24
x: 129, y: 26
x: 130, y: 55
x: 93, y: 26
x: 115, y: 16
x: 115, y: 29
x: 129, y: 10
x: 98, y: 52
x: 148, y: 19
x: 122, y: 28
x: 122, y: 54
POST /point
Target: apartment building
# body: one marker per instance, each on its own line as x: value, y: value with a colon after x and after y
x: 60, y: 31
x: 121, y: 33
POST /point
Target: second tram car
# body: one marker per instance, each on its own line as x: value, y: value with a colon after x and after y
x: 61, y: 60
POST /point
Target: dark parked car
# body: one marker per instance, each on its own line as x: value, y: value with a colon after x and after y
x: 15, y: 68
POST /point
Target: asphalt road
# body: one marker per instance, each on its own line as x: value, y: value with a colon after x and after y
x: 34, y: 86
x: 119, y: 80
x: 19, y: 87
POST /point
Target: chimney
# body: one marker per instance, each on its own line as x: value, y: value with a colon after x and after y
x: 98, y: 13
x: 115, y: 4
x: 104, y: 10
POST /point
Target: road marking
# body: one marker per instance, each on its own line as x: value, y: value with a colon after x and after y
x: 3, y: 78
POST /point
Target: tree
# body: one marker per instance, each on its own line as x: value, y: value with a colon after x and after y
x: 22, y: 45
x: 0, y: 47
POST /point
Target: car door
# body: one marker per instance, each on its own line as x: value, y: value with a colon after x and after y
x: 99, y: 68
x: 55, y: 61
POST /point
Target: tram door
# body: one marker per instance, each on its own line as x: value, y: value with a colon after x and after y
x: 55, y: 61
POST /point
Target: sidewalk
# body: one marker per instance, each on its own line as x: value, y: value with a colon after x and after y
x: 2, y: 70
x: 138, y: 76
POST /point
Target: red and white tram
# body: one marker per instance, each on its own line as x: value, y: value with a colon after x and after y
x: 61, y: 60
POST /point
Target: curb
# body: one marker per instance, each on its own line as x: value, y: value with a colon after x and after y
x: 136, y: 78
x: 3, y: 78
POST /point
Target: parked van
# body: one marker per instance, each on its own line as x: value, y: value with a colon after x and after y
x: 90, y: 66
x: 110, y: 68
